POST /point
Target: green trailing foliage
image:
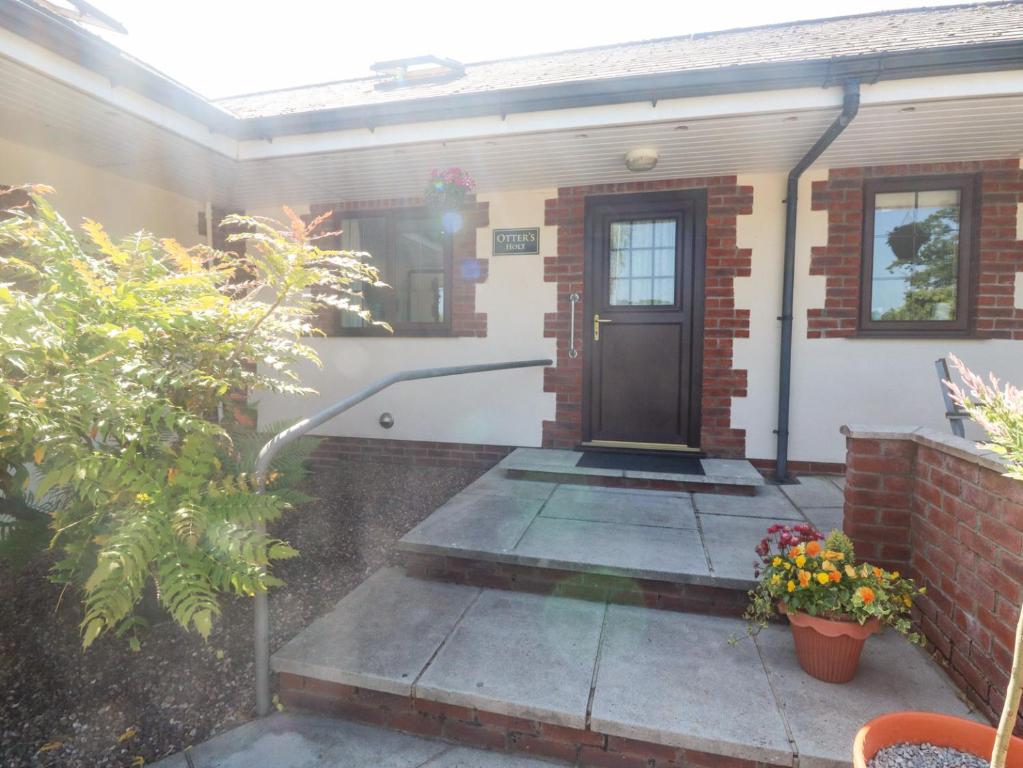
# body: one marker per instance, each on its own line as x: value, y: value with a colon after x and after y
x: 121, y: 365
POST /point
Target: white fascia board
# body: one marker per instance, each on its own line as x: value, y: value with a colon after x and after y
x: 947, y: 87
x: 61, y: 70
x: 521, y: 123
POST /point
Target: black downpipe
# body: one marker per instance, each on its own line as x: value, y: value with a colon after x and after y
x: 850, y: 106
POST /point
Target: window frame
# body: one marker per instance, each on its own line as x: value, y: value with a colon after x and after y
x: 969, y: 195
x: 385, y: 263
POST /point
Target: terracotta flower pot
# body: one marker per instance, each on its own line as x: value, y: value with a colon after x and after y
x: 828, y: 649
x: 932, y: 728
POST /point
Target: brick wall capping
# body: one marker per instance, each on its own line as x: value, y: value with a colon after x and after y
x: 960, y: 447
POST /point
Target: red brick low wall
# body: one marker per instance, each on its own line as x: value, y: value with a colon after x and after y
x: 490, y: 730
x: 767, y: 467
x: 336, y: 450
x: 938, y: 508
x: 688, y: 598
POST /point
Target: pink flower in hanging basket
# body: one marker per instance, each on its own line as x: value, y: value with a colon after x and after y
x: 449, y: 187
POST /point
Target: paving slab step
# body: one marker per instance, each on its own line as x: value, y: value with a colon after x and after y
x: 671, y: 549
x: 589, y: 683
x: 725, y: 476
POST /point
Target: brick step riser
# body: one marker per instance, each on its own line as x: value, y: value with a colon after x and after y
x: 490, y: 730
x: 568, y: 478
x: 663, y: 595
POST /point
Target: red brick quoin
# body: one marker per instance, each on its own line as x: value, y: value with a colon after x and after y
x: 723, y: 322
x: 956, y: 524
x: 1000, y: 252
x: 468, y: 270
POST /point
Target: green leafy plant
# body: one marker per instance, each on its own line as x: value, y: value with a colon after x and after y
x: 802, y: 570
x: 121, y: 368
x: 998, y: 409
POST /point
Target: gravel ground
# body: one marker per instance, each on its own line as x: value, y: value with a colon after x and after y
x: 924, y: 756
x: 109, y: 707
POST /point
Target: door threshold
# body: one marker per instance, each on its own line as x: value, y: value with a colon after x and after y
x: 628, y: 445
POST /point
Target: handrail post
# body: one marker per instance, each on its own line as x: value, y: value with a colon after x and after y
x: 261, y: 603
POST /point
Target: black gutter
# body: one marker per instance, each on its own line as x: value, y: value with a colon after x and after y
x: 850, y: 106
x: 80, y: 46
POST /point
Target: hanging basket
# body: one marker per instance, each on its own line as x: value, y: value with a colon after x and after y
x: 447, y: 190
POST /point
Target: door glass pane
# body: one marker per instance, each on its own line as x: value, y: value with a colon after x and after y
x: 641, y: 265
x: 916, y: 256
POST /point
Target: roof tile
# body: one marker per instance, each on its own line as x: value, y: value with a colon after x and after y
x: 850, y: 36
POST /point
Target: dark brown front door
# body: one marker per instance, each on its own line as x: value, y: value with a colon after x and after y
x: 644, y: 319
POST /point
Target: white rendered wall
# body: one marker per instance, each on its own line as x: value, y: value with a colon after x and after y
x: 834, y: 381
x: 764, y: 232
x: 122, y: 205
x: 501, y: 408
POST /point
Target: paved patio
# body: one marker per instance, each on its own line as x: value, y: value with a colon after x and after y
x: 604, y: 673
x: 673, y: 536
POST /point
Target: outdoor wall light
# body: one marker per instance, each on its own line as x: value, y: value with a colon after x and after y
x: 386, y: 420
x: 641, y: 159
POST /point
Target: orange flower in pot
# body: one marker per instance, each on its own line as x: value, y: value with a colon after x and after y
x: 832, y: 602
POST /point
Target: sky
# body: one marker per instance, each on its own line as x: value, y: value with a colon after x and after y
x: 226, y: 47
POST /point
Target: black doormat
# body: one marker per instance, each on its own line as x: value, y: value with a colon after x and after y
x: 641, y: 462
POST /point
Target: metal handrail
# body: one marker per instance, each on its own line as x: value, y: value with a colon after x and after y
x: 303, y: 427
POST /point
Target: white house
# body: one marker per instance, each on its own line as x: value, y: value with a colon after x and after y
x: 717, y: 310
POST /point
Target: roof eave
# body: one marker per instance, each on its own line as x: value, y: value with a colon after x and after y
x: 71, y: 42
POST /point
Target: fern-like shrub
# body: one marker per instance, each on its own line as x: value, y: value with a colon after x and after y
x: 120, y: 368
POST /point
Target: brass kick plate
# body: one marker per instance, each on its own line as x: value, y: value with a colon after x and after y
x: 640, y: 446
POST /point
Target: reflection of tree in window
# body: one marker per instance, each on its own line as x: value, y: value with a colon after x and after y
x: 368, y: 235
x: 920, y: 263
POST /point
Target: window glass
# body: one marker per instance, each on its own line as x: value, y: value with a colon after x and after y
x: 915, y: 268
x: 642, y: 263
x: 411, y: 256
x: 368, y: 234
x: 418, y: 277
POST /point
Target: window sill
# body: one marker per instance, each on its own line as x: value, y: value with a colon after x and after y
x: 866, y: 333
x: 399, y: 333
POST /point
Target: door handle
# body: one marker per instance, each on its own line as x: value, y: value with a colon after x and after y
x: 596, y: 326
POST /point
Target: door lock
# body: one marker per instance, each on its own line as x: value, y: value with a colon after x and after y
x: 596, y: 326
